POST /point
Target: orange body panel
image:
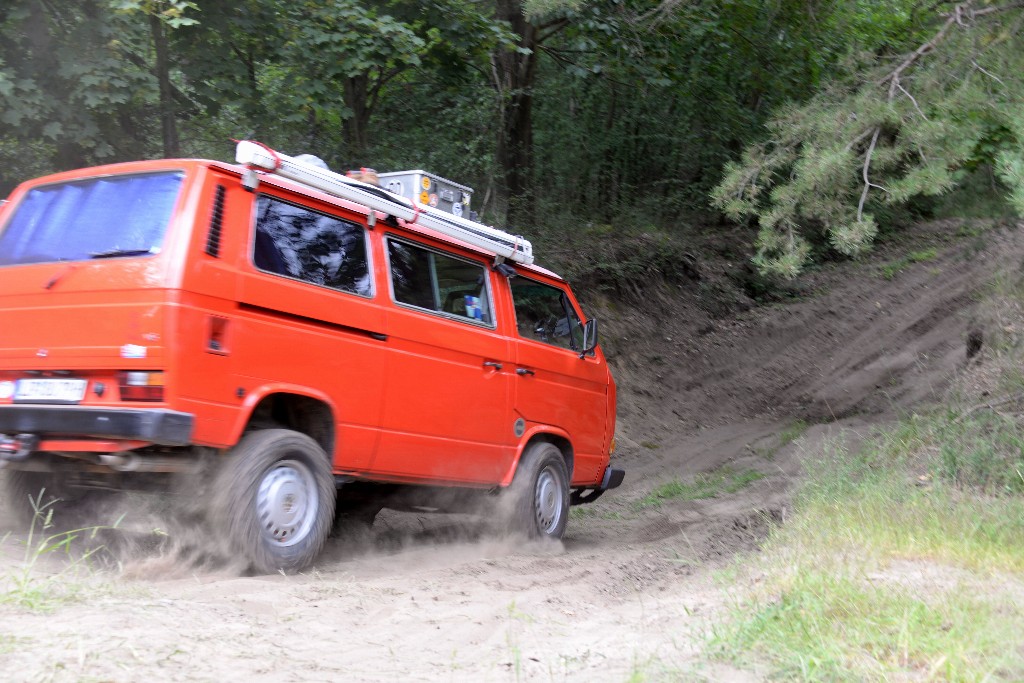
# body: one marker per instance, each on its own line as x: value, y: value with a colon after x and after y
x: 407, y: 394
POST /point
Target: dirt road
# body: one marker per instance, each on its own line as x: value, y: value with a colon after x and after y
x: 635, y: 587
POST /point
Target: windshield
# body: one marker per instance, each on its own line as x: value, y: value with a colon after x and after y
x: 95, y: 218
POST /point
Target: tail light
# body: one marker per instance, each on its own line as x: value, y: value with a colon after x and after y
x: 141, y: 386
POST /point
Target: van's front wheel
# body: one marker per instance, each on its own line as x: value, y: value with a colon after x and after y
x: 274, y: 499
x: 539, y: 494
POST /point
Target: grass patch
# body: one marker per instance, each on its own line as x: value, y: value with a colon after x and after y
x: 892, y: 269
x: 827, y: 626
x: 885, y: 573
x: 28, y: 585
x: 792, y: 433
x: 781, y: 440
x: 705, y: 485
x: 981, y: 451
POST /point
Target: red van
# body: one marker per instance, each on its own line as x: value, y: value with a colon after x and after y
x: 299, y: 344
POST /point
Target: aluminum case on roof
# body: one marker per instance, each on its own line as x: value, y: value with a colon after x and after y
x: 426, y: 189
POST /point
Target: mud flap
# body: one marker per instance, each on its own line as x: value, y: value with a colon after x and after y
x: 613, y: 477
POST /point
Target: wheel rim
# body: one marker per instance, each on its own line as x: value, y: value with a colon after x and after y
x: 548, y: 502
x: 286, y: 503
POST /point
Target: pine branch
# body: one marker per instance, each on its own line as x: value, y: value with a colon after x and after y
x: 867, y: 165
x: 916, y: 106
x: 860, y: 138
x: 956, y: 17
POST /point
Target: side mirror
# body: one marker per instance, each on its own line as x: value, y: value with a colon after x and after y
x: 589, y: 337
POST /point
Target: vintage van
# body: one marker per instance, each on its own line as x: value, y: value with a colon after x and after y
x: 295, y: 346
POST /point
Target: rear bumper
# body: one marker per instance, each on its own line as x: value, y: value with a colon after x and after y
x: 165, y: 427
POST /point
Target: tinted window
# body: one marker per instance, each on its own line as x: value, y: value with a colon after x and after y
x: 437, y: 282
x: 96, y: 218
x: 307, y: 245
x: 545, y: 314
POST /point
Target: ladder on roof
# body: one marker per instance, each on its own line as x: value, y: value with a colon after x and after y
x: 257, y: 156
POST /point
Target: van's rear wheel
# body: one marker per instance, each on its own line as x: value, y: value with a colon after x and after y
x: 539, y: 494
x: 274, y: 499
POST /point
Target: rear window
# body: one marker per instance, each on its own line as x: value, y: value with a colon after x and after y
x: 105, y: 217
x: 307, y: 245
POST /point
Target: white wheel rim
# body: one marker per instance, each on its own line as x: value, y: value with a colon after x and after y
x: 286, y: 503
x: 548, y: 501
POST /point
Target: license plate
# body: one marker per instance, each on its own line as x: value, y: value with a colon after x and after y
x: 59, y: 390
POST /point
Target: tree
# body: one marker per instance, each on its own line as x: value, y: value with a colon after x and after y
x: 349, y: 47
x: 639, y: 102
x: 68, y: 90
x: 162, y: 16
x: 898, y: 123
x: 514, y: 74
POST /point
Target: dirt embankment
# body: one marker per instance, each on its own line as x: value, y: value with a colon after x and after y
x: 631, y: 590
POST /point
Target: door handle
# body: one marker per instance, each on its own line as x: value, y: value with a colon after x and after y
x: 493, y: 364
x: 525, y: 371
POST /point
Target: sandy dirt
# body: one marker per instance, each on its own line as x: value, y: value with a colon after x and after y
x: 632, y: 591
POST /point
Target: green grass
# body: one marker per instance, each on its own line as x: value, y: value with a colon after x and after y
x: 787, y: 436
x: 892, y: 269
x: 29, y: 586
x: 895, y: 565
x: 704, y: 485
x: 792, y: 433
x: 981, y: 450
x: 831, y: 626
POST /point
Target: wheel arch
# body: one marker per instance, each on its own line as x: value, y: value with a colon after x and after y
x: 543, y: 434
x: 298, y: 408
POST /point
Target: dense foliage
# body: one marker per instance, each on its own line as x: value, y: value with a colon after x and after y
x: 908, y: 115
x: 626, y: 112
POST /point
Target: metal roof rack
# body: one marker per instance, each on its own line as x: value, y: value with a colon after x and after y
x: 255, y: 155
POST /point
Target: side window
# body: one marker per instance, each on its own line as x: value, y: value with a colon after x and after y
x: 297, y: 242
x: 438, y: 282
x: 544, y: 313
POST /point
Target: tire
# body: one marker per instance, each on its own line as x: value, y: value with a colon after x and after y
x: 274, y: 500
x: 538, y: 499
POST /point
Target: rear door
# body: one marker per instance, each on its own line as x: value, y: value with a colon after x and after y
x: 554, y: 386
x: 447, y: 415
x: 308, y: 322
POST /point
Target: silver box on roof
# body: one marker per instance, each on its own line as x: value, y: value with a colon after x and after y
x: 427, y: 189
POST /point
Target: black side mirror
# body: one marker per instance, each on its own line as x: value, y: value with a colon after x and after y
x: 589, y: 337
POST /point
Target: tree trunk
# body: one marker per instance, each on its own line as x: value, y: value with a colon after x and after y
x: 514, y: 75
x: 168, y: 122
x: 356, y: 127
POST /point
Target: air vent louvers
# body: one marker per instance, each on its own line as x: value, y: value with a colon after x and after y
x: 216, y: 221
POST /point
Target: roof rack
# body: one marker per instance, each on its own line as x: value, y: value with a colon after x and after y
x: 256, y: 155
